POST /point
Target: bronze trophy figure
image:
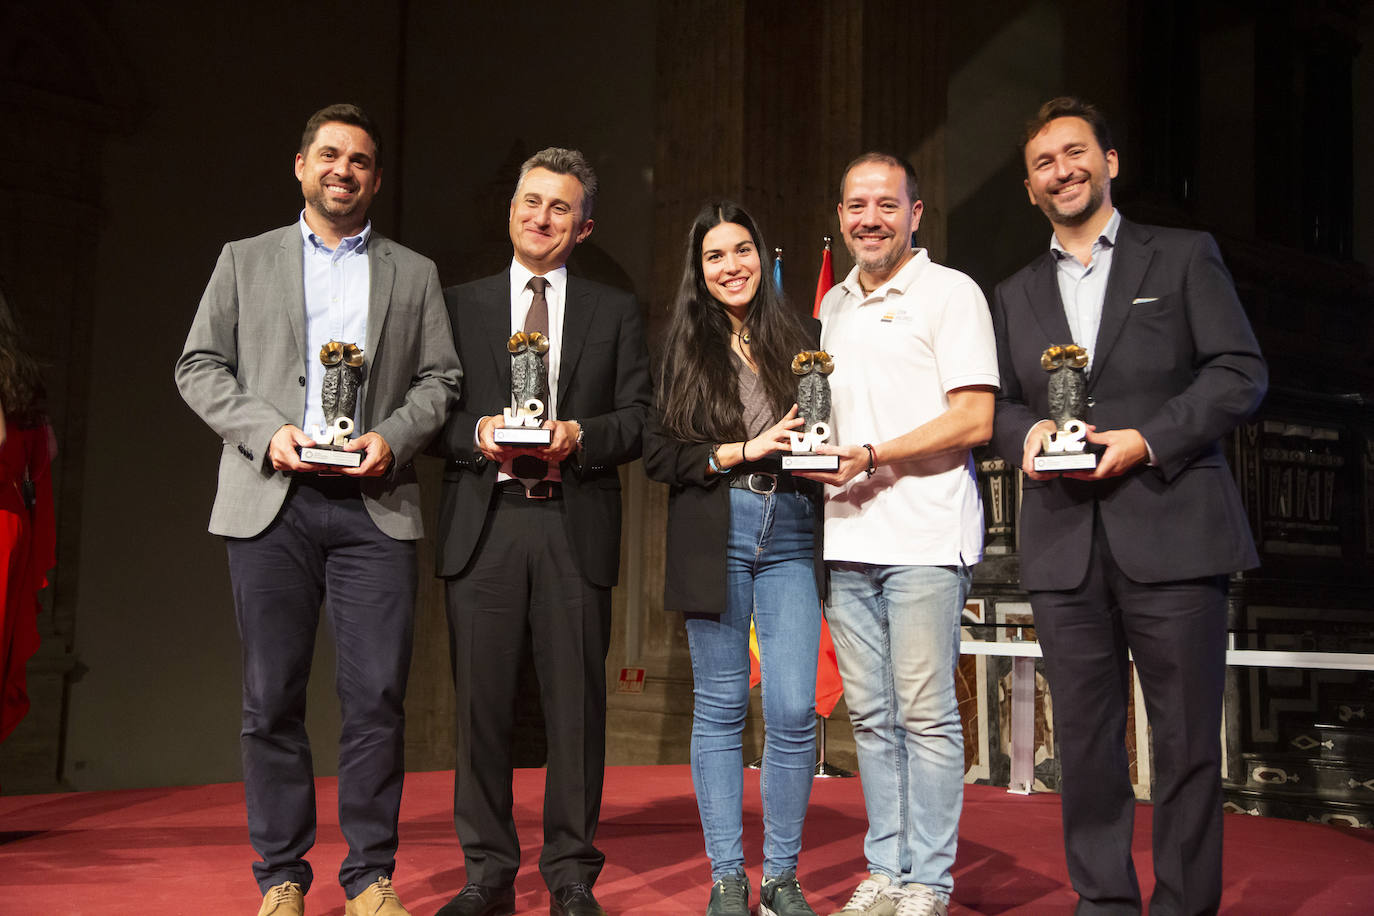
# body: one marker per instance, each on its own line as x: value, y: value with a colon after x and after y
x: 343, y: 379
x: 529, y: 387
x: 812, y: 368
x: 1066, y: 449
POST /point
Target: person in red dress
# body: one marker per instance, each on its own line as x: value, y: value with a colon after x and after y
x: 27, y: 533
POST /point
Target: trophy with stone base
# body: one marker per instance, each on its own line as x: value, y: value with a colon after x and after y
x: 523, y: 424
x: 1067, y: 448
x: 343, y: 378
x: 812, y: 368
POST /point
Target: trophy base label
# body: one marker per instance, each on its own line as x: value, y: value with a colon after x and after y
x: 1083, y: 461
x: 334, y: 457
x: 522, y: 435
x: 810, y: 462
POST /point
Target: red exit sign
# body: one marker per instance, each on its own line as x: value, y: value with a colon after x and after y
x: 631, y: 681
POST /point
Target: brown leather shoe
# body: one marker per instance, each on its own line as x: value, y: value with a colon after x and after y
x: 379, y: 899
x: 285, y: 899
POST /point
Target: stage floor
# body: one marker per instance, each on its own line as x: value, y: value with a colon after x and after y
x: 185, y: 851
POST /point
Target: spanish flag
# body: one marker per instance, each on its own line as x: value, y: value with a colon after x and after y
x: 829, y: 687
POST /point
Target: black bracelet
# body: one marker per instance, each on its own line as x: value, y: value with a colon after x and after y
x: 872, y: 459
x: 743, y: 455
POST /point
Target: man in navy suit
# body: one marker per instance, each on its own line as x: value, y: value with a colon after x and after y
x: 1135, y: 554
x: 529, y: 538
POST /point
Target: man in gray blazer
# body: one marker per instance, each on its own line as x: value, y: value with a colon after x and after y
x: 1135, y: 554
x: 299, y: 534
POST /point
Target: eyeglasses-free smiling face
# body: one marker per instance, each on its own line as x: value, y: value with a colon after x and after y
x: 730, y: 266
x: 546, y: 219
x: 338, y: 176
x: 877, y: 218
x: 1068, y: 174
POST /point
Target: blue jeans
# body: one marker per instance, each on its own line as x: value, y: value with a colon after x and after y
x: 896, y: 634
x: 769, y: 575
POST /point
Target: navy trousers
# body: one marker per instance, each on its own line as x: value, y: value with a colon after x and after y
x: 1176, y: 632
x: 323, y: 549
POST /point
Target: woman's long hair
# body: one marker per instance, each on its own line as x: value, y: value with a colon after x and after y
x: 21, y: 382
x: 698, y: 390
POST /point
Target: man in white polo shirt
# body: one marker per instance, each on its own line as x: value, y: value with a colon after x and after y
x: 912, y: 392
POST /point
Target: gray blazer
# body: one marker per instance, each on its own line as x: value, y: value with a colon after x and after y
x: 244, y: 366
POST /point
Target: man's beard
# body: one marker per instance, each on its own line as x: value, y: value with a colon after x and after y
x: 1079, y: 217
x: 881, y: 262
x: 323, y: 204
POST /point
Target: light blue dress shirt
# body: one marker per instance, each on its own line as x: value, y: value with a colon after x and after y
x: 336, y: 294
x: 1083, y: 288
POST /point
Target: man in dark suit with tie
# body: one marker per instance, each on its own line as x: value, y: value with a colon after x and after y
x: 529, y: 538
x: 1133, y: 555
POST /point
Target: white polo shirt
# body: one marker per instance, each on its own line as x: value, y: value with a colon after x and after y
x: 898, y: 351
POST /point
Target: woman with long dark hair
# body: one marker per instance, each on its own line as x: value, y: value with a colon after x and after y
x: 27, y: 535
x: 743, y: 542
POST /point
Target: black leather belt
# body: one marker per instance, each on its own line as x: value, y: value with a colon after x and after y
x: 763, y: 482
x: 544, y: 489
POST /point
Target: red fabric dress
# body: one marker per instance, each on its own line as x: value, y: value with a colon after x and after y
x: 28, y: 549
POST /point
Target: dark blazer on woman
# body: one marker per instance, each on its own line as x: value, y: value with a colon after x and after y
x: 699, y: 516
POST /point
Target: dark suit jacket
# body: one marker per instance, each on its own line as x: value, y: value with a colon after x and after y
x: 699, y: 517
x: 1176, y: 359
x: 603, y: 384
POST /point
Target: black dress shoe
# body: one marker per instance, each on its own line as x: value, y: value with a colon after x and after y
x: 574, y: 900
x: 480, y: 900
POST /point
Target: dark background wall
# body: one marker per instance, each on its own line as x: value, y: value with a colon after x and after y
x: 142, y: 136
x: 192, y: 146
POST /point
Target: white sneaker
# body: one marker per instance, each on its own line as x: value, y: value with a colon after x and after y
x: 919, y: 900
x: 870, y: 898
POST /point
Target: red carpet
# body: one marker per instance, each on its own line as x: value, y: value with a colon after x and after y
x: 185, y: 851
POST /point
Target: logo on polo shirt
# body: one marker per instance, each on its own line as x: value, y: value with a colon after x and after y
x: 895, y: 315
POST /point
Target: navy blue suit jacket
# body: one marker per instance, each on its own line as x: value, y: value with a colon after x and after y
x: 1176, y: 359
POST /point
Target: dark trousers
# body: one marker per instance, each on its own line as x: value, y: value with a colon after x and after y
x: 323, y: 548
x: 524, y: 583
x: 1176, y: 632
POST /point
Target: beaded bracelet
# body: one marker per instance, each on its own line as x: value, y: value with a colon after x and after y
x: 713, y: 463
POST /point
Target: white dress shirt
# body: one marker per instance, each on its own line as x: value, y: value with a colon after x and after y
x: 520, y: 298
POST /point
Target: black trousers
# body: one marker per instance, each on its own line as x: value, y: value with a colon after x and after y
x: 323, y: 548
x: 524, y: 583
x: 1176, y: 632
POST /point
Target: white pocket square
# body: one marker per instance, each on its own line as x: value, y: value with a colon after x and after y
x: 1144, y: 300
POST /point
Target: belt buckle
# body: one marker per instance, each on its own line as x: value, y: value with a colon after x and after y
x: 543, y: 489
x: 772, y: 480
